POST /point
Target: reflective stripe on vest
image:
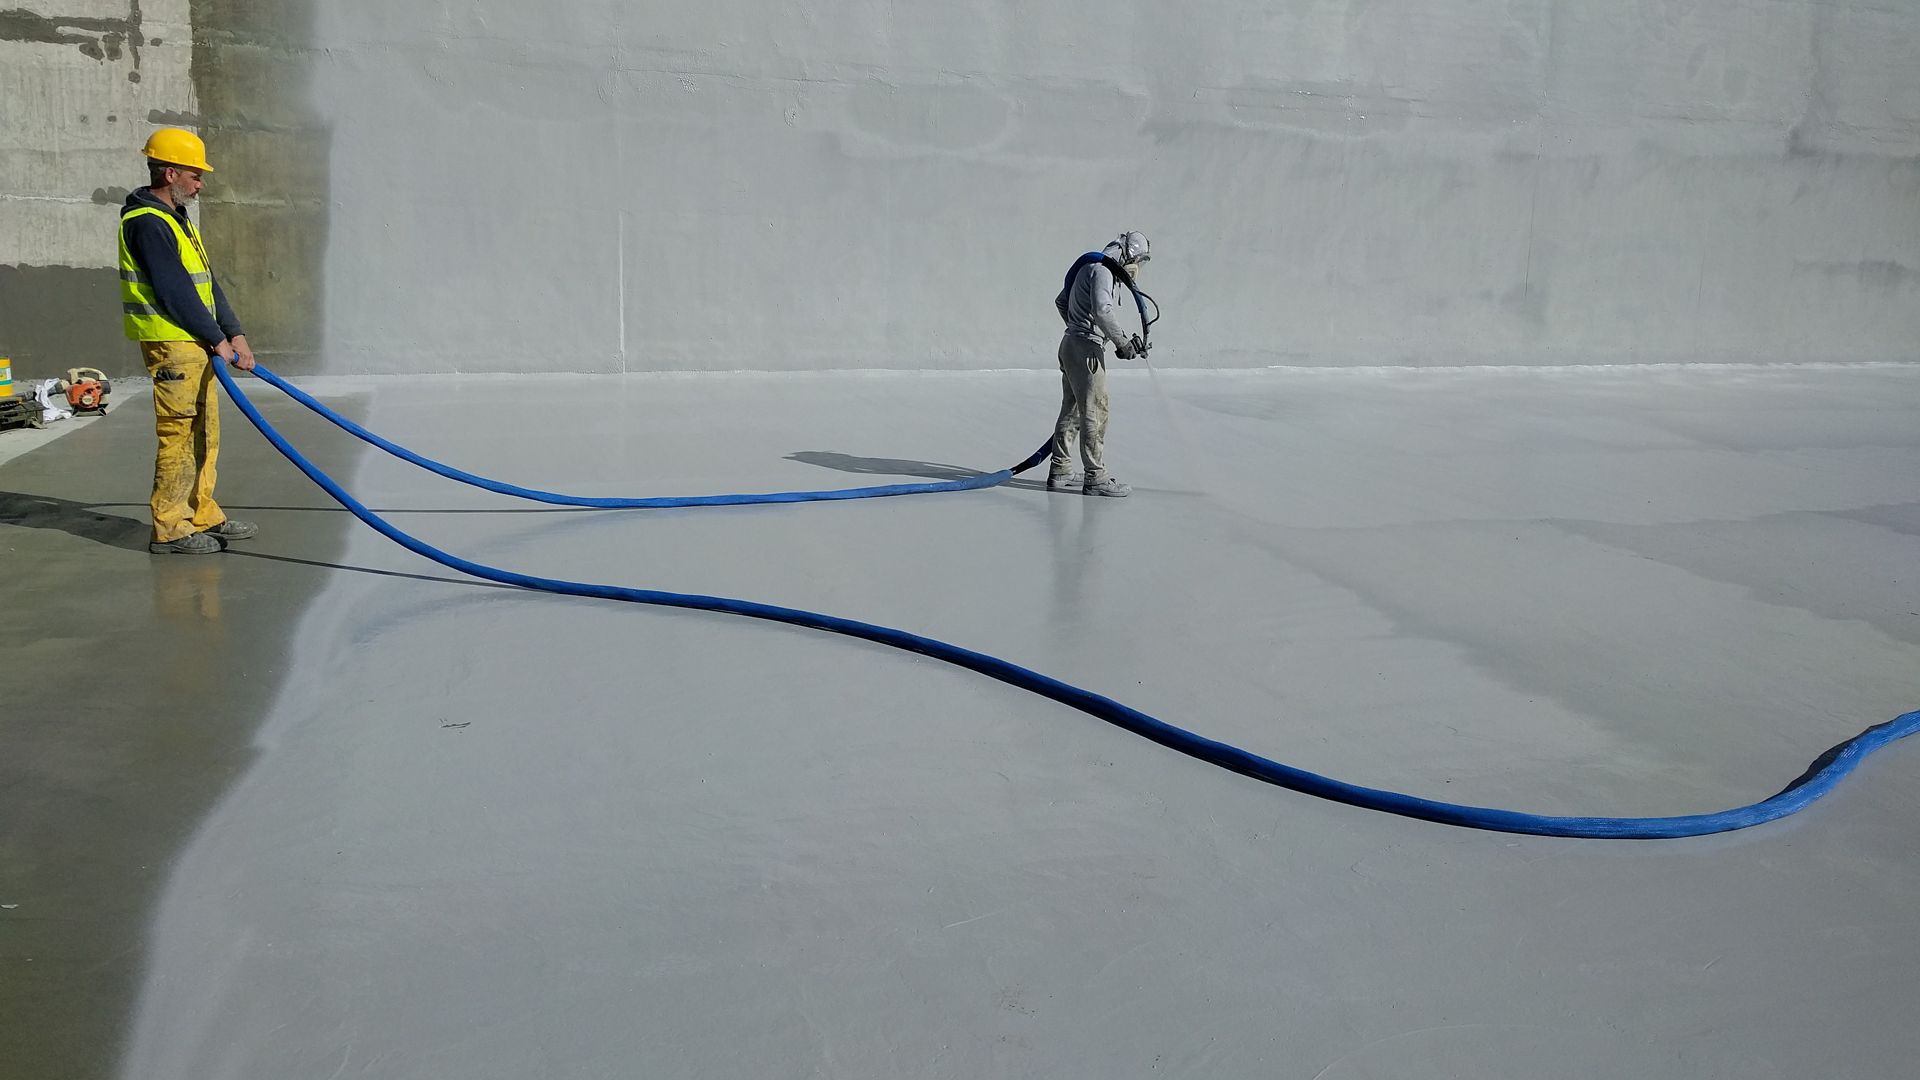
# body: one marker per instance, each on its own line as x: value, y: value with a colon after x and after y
x: 143, y: 319
x: 135, y: 275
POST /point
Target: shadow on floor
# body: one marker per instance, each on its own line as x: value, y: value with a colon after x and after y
x: 77, y: 519
x: 870, y: 466
x: 323, y: 564
x: 84, y: 521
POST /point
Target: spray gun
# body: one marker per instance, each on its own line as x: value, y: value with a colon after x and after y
x: 1139, y: 343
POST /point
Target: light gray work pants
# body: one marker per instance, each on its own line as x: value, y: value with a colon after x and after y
x: 1083, y: 408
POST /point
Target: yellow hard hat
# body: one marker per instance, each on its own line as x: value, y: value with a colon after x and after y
x: 178, y: 146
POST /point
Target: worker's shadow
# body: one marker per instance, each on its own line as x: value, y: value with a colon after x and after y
x: 930, y: 470
x: 77, y: 519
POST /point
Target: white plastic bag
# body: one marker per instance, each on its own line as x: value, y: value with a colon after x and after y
x: 53, y: 403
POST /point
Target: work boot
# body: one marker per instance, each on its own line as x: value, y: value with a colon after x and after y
x: 234, y: 530
x: 1063, y: 481
x: 1109, y: 487
x: 200, y: 543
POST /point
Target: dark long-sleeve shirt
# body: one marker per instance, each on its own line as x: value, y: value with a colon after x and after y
x: 156, y: 251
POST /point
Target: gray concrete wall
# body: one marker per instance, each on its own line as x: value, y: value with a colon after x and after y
x: 78, y: 81
x: 82, y: 85
x: 593, y: 185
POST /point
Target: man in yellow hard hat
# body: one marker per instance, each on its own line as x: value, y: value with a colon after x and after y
x: 174, y: 308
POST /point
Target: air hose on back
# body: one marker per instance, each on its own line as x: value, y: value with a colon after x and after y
x: 1119, y: 272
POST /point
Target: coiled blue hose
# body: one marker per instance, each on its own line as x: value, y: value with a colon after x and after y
x: 1826, y: 773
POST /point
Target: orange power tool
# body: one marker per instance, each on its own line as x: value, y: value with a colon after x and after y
x: 87, y: 390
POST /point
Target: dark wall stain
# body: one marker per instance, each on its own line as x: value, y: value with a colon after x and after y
x: 97, y: 38
x: 56, y: 317
x: 252, y: 68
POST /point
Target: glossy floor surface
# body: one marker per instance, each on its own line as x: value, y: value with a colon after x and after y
x: 328, y: 811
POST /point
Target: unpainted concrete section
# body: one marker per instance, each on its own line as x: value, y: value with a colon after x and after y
x: 57, y: 317
x: 79, y: 80
x: 494, y: 834
x: 87, y: 81
x: 267, y: 218
x: 20, y: 441
x: 133, y: 685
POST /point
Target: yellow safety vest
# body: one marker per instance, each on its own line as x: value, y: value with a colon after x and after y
x: 144, y: 321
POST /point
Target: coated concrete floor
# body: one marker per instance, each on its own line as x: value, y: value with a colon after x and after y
x: 324, y: 810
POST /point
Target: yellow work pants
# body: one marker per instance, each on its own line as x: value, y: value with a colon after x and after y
x: 186, y: 417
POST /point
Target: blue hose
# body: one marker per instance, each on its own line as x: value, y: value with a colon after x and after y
x: 1827, y: 772
x: 984, y: 480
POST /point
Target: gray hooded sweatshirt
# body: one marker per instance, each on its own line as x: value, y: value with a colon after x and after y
x: 1091, y: 306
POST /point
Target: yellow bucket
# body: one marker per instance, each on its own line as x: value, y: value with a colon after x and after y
x: 6, y: 377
